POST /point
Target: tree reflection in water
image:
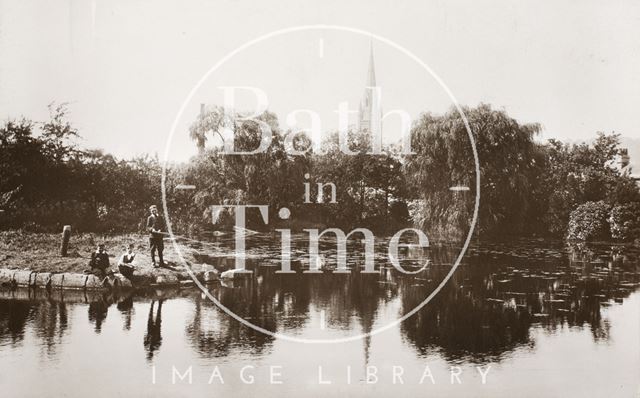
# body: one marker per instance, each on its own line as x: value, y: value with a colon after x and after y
x: 13, y: 319
x: 214, y: 334
x: 484, y: 312
x: 48, y: 315
x: 492, y: 301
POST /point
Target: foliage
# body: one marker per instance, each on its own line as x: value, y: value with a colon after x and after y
x: 588, y: 222
x: 368, y: 186
x: 272, y: 177
x: 624, y: 221
x: 527, y: 188
x: 443, y: 159
x: 579, y: 173
x: 46, y: 182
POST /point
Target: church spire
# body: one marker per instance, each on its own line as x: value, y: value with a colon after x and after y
x: 371, y: 74
x: 370, y: 111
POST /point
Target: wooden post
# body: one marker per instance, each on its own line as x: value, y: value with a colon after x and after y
x: 66, y: 235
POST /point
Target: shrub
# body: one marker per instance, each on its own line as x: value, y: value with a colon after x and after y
x: 624, y: 221
x: 589, y: 222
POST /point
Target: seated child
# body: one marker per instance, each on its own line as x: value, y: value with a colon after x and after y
x: 99, y: 263
x: 125, y: 264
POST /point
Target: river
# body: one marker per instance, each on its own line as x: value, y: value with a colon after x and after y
x: 526, y: 318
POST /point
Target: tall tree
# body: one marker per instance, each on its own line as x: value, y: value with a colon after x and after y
x: 443, y: 158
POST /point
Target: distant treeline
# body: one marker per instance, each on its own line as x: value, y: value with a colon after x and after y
x: 527, y: 188
x: 46, y: 181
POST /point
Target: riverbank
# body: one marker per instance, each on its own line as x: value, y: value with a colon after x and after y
x: 38, y: 254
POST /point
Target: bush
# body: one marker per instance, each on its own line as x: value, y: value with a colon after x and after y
x: 624, y: 221
x: 589, y: 222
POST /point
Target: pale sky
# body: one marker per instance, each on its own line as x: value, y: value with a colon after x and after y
x: 126, y: 66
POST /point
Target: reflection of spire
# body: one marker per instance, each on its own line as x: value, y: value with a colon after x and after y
x: 366, y: 320
x: 367, y: 306
x: 367, y: 347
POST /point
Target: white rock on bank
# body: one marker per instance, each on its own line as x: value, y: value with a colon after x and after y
x: 234, y: 273
x: 167, y: 279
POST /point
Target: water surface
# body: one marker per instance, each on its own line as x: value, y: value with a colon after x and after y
x: 539, y: 318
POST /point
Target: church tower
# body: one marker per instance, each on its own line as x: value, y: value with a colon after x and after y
x: 370, y: 116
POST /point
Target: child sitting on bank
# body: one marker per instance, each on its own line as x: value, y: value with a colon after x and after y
x: 126, y: 263
x: 99, y: 263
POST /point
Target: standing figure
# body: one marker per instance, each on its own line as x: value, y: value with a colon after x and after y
x: 155, y: 225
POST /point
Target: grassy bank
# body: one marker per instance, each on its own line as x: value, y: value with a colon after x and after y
x: 40, y: 251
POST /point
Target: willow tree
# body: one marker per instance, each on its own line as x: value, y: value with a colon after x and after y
x: 443, y: 159
x: 271, y: 176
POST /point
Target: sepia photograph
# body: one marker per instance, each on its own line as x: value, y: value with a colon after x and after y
x: 237, y: 198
